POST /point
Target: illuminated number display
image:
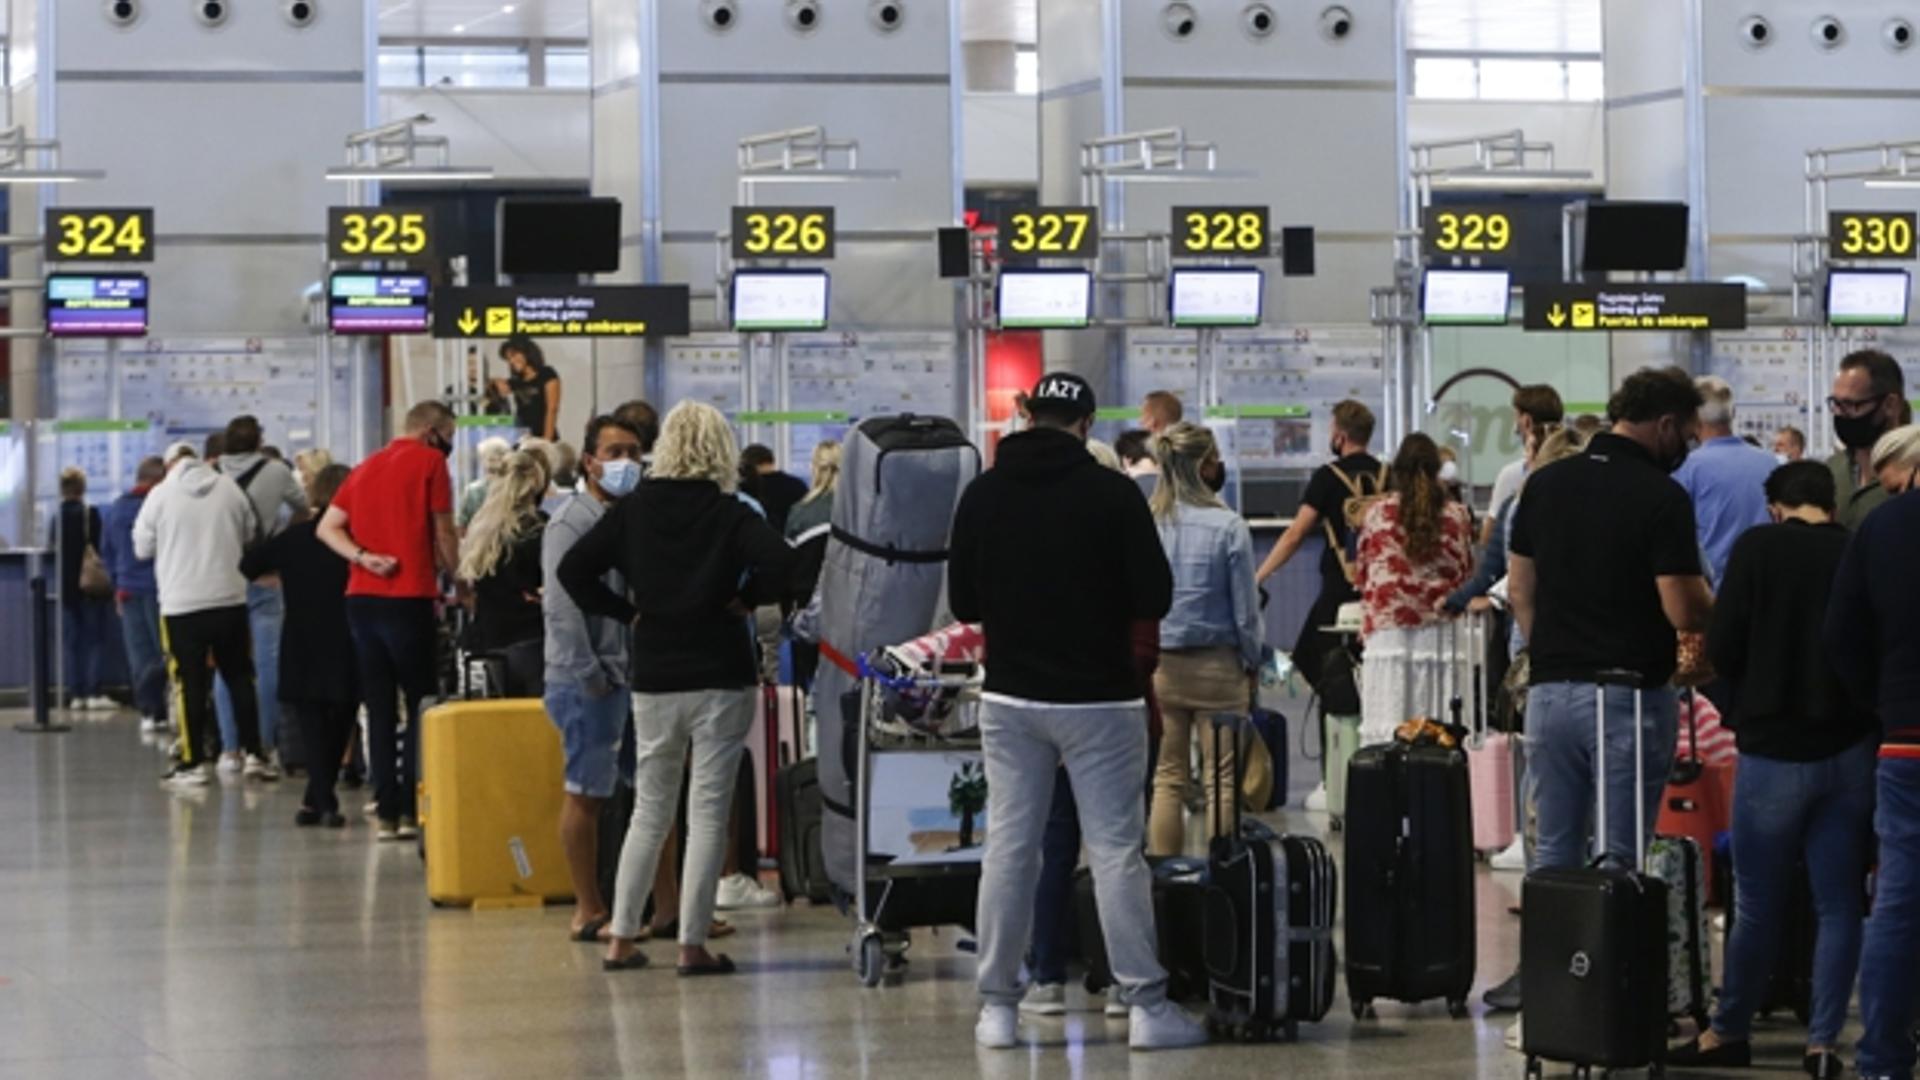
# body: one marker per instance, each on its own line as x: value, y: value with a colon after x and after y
x: 76, y: 235
x: 1467, y: 231
x: 1068, y: 232
x: 1220, y: 230
x: 385, y: 232
x: 1871, y: 234
x: 783, y: 232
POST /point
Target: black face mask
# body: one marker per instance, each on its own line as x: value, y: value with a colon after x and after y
x: 1859, y: 432
x: 1334, y: 450
x: 438, y: 443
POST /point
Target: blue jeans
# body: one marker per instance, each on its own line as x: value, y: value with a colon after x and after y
x: 146, y: 656
x: 1784, y: 812
x: 1890, y: 964
x: 1560, y: 754
x: 83, y: 625
x: 1053, y: 899
x: 393, y: 642
x: 265, y: 612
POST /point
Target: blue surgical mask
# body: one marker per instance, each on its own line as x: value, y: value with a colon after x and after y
x: 619, y: 477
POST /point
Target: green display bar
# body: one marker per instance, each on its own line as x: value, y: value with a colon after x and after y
x: 791, y: 417
x: 6, y: 427
x: 98, y: 427
x: 1575, y: 408
x: 1257, y: 412
x: 1121, y: 412
x: 483, y: 422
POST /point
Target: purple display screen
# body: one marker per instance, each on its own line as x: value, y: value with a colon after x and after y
x: 378, y: 304
x: 97, y: 305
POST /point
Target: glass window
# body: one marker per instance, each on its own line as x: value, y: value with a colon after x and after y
x: 567, y: 65
x: 1586, y: 80
x: 1523, y: 80
x: 1026, y: 71
x: 1444, y: 77
x: 501, y: 65
x: 399, y: 66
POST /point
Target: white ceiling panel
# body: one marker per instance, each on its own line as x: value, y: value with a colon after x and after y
x: 483, y: 18
x: 1547, y: 26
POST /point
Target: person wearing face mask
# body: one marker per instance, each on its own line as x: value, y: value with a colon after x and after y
x: 1603, y: 568
x: 1535, y: 408
x: 1869, y: 400
x: 1789, y: 445
x: 587, y: 658
x: 1726, y: 478
x: 393, y: 520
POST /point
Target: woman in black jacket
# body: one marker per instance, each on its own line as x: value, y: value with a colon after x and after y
x: 696, y: 562
x: 500, y: 557
x: 319, y: 687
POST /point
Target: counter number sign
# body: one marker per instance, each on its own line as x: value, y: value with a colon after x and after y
x: 1872, y: 234
x: 79, y: 235
x: 1467, y: 231
x: 382, y: 232
x: 1220, y: 230
x: 783, y: 232
x: 1068, y: 232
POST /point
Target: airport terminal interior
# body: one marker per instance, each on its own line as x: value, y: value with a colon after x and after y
x: 443, y: 442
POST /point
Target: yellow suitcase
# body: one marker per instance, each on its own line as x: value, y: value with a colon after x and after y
x: 490, y: 795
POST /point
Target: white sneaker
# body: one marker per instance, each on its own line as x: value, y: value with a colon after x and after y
x: 1514, y: 1036
x: 232, y: 762
x: 153, y: 725
x: 1045, y: 999
x: 998, y: 1028
x: 1317, y: 799
x: 99, y: 703
x: 1164, y: 1026
x: 1116, y: 1009
x: 259, y: 768
x: 188, y: 776
x: 1512, y: 857
x: 740, y: 891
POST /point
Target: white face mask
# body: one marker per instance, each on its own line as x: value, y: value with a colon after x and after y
x: 1449, y: 472
x: 1780, y: 458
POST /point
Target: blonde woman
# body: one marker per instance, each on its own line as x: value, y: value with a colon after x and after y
x: 500, y: 558
x: 695, y: 561
x: 1210, y: 641
x: 1106, y: 455
x: 308, y: 465
x: 492, y: 453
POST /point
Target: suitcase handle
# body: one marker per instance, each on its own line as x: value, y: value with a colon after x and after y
x: 1602, y: 680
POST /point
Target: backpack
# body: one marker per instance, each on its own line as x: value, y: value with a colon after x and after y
x: 1354, y: 510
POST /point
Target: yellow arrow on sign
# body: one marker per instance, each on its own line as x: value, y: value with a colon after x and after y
x: 1557, y: 317
x: 468, y: 324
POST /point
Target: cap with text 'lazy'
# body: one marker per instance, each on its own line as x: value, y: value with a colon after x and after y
x: 1063, y: 393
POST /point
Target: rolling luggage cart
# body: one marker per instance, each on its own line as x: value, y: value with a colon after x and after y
x: 917, y: 768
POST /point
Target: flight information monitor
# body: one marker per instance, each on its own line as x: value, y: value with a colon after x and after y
x: 1465, y: 297
x: 774, y: 300
x: 1226, y: 296
x: 378, y: 304
x: 97, y: 305
x: 1045, y: 299
x: 1867, y: 297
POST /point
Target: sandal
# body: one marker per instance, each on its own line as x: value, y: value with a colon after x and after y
x: 670, y: 930
x: 633, y: 962
x: 722, y: 965
x: 589, y: 932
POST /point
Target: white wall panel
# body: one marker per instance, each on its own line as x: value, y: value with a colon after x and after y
x: 1002, y: 139
x: 169, y: 37
x: 524, y: 134
x: 1577, y: 130
x: 1645, y: 45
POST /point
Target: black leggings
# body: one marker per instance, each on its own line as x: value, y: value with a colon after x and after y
x: 325, y: 728
x: 197, y: 644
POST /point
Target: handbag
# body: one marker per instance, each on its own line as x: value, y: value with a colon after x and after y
x: 94, y: 579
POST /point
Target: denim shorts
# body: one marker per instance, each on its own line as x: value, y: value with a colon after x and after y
x: 590, y: 732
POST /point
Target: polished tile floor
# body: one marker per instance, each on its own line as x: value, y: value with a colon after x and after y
x: 144, y: 934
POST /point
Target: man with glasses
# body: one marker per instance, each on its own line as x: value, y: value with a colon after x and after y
x: 1869, y: 399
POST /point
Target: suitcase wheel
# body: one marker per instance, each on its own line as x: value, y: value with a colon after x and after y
x: 1362, y: 1009
x: 1292, y: 1031
x: 1535, y: 1070
x: 871, y: 962
x: 1457, y: 1008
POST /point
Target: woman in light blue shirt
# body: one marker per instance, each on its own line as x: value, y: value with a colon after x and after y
x: 1210, y: 642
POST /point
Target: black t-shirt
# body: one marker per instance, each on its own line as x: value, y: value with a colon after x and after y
x: 1600, y: 528
x: 777, y: 493
x: 530, y: 398
x: 1328, y: 496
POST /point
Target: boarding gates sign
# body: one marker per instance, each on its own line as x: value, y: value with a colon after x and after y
x: 1629, y: 306
x: 562, y: 311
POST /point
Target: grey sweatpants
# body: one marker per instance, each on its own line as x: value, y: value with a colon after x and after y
x: 1104, y: 750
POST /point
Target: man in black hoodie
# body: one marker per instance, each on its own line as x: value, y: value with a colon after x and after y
x: 1057, y: 556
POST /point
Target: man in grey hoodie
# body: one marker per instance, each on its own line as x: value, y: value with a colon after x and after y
x: 271, y: 487
x: 194, y: 526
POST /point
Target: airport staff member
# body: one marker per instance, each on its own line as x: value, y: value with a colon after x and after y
x: 534, y: 387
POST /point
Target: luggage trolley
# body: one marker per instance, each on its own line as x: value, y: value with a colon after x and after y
x: 918, y: 759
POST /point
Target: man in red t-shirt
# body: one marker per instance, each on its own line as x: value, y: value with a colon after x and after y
x: 393, y: 519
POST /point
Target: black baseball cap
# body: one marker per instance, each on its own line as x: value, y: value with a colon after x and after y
x: 1062, y: 393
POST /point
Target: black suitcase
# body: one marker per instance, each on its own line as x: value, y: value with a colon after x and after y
x: 1269, y: 926
x: 1410, y: 903
x: 1179, y: 920
x: 803, y: 866
x: 1593, y: 948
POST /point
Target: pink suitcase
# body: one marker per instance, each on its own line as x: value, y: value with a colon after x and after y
x: 773, y: 747
x: 1489, y: 756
